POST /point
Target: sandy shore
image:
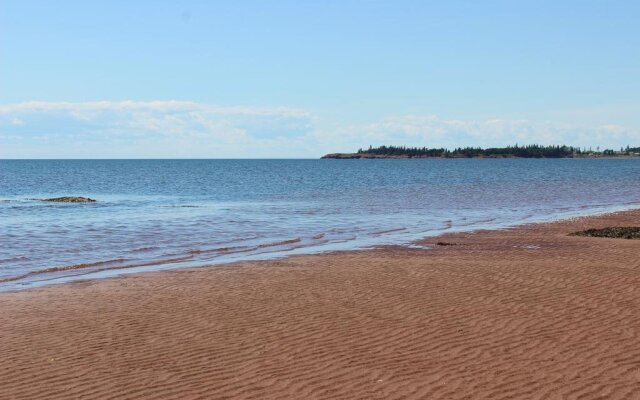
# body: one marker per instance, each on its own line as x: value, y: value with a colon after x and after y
x: 518, y: 314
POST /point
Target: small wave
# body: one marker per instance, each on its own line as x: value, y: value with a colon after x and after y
x: 62, y: 268
x: 484, y: 221
x: 344, y: 239
x: 378, y: 233
x: 145, y: 249
x: 280, y: 243
x: 224, y: 250
x: 318, y: 236
x: 85, y: 265
x: 13, y: 259
x: 235, y: 249
x: 587, y: 206
x: 199, y: 251
x: 93, y: 268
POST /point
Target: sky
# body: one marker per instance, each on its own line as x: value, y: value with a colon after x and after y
x: 298, y: 79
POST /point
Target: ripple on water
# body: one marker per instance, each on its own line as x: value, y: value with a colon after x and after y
x: 157, y: 213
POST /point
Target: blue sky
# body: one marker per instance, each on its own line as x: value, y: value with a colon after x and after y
x: 112, y: 79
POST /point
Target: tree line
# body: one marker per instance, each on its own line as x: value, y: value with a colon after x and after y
x: 528, y: 151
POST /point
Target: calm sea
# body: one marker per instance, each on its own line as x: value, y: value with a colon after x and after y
x: 157, y: 214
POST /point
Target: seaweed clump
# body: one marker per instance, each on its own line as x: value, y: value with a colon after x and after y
x: 616, y: 232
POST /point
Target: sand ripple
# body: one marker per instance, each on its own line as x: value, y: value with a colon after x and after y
x: 528, y: 313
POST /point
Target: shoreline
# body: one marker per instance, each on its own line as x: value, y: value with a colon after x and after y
x: 520, y: 312
x: 18, y: 284
x: 364, y: 156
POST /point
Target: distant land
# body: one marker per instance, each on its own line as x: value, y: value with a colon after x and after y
x: 528, y: 151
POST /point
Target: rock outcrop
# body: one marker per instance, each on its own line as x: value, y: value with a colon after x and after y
x: 70, y: 199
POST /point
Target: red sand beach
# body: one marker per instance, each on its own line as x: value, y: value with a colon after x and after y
x: 526, y: 313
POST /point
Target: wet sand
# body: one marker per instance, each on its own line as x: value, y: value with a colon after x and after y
x: 526, y: 313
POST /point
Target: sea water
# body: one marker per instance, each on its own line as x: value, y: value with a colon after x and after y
x: 159, y: 214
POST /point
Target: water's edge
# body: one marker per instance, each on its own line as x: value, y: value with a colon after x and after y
x: 19, y: 286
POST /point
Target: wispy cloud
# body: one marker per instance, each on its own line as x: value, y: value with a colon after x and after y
x: 144, y: 129
x: 432, y: 131
x: 188, y: 129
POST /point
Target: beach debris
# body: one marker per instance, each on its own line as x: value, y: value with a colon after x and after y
x: 70, y: 199
x: 616, y: 232
x: 447, y: 244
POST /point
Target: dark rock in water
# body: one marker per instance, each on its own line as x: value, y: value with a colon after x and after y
x: 70, y: 199
x: 617, y: 232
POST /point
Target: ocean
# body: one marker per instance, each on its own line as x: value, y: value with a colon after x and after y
x: 161, y: 214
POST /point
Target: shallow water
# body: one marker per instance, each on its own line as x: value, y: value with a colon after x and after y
x: 157, y: 214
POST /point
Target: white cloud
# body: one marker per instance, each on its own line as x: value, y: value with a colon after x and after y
x: 432, y: 131
x: 142, y: 129
x: 130, y: 129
